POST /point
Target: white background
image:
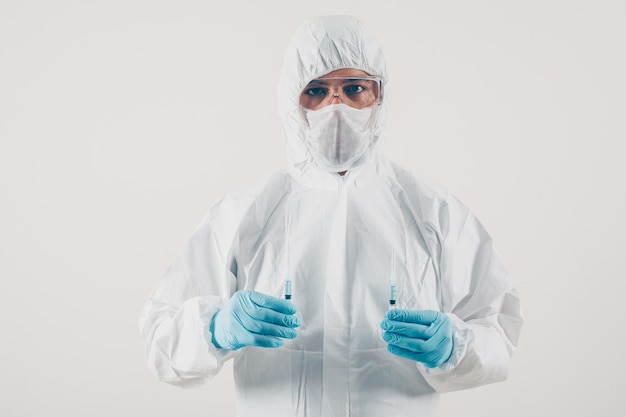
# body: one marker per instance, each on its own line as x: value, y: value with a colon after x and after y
x: 121, y: 122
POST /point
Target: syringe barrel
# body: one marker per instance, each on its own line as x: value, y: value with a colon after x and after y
x: 288, y: 290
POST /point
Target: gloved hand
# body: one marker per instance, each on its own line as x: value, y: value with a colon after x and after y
x: 420, y: 335
x: 251, y: 318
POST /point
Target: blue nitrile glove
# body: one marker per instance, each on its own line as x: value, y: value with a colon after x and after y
x: 420, y: 335
x: 251, y: 318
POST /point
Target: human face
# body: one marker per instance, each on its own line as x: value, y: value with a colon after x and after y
x: 349, y: 86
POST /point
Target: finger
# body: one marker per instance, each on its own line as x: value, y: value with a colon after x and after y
x: 273, y: 303
x: 265, y: 341
x: 428, y: 359
x: 408, y: 343
x: 404, y: 353
x: 271, y: 316
x: 412, y: 316
x: 413, y: 330
x: 414, y: 344
x: 268, y: 329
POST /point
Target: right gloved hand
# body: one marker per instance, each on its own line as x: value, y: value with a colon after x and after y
x: 252, y: 318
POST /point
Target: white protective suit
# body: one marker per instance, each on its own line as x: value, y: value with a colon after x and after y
x: 335, y: 237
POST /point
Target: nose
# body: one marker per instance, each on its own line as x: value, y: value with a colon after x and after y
x: 335, y: 99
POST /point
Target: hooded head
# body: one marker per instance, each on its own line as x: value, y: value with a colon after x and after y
x: 319, y: 46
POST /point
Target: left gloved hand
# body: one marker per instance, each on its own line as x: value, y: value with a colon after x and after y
x: 420, y: 335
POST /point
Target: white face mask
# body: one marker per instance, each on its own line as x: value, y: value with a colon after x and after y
x: 338, y: 135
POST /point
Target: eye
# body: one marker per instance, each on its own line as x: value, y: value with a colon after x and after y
x: 353, y: 89
x: 315, y: 92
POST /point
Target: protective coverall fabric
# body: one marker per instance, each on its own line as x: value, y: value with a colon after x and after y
x: 334, y: 236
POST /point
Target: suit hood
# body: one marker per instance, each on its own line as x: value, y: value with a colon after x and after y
x: 321, y: 45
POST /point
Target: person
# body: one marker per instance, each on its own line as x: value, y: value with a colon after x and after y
x: 342, y: 285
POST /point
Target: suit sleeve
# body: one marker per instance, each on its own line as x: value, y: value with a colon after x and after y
x: 477, y: 294
x: 176, y: 317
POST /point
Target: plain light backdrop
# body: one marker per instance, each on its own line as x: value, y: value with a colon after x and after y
x: 121, y: 122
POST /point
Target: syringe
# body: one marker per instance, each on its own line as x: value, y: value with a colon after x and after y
x: 287, y: 275
x: 392, y: 284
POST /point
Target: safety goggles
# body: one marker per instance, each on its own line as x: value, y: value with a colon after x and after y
x: 357, y: 92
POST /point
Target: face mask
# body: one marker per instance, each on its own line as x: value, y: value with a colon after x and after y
x: 338, y: 135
